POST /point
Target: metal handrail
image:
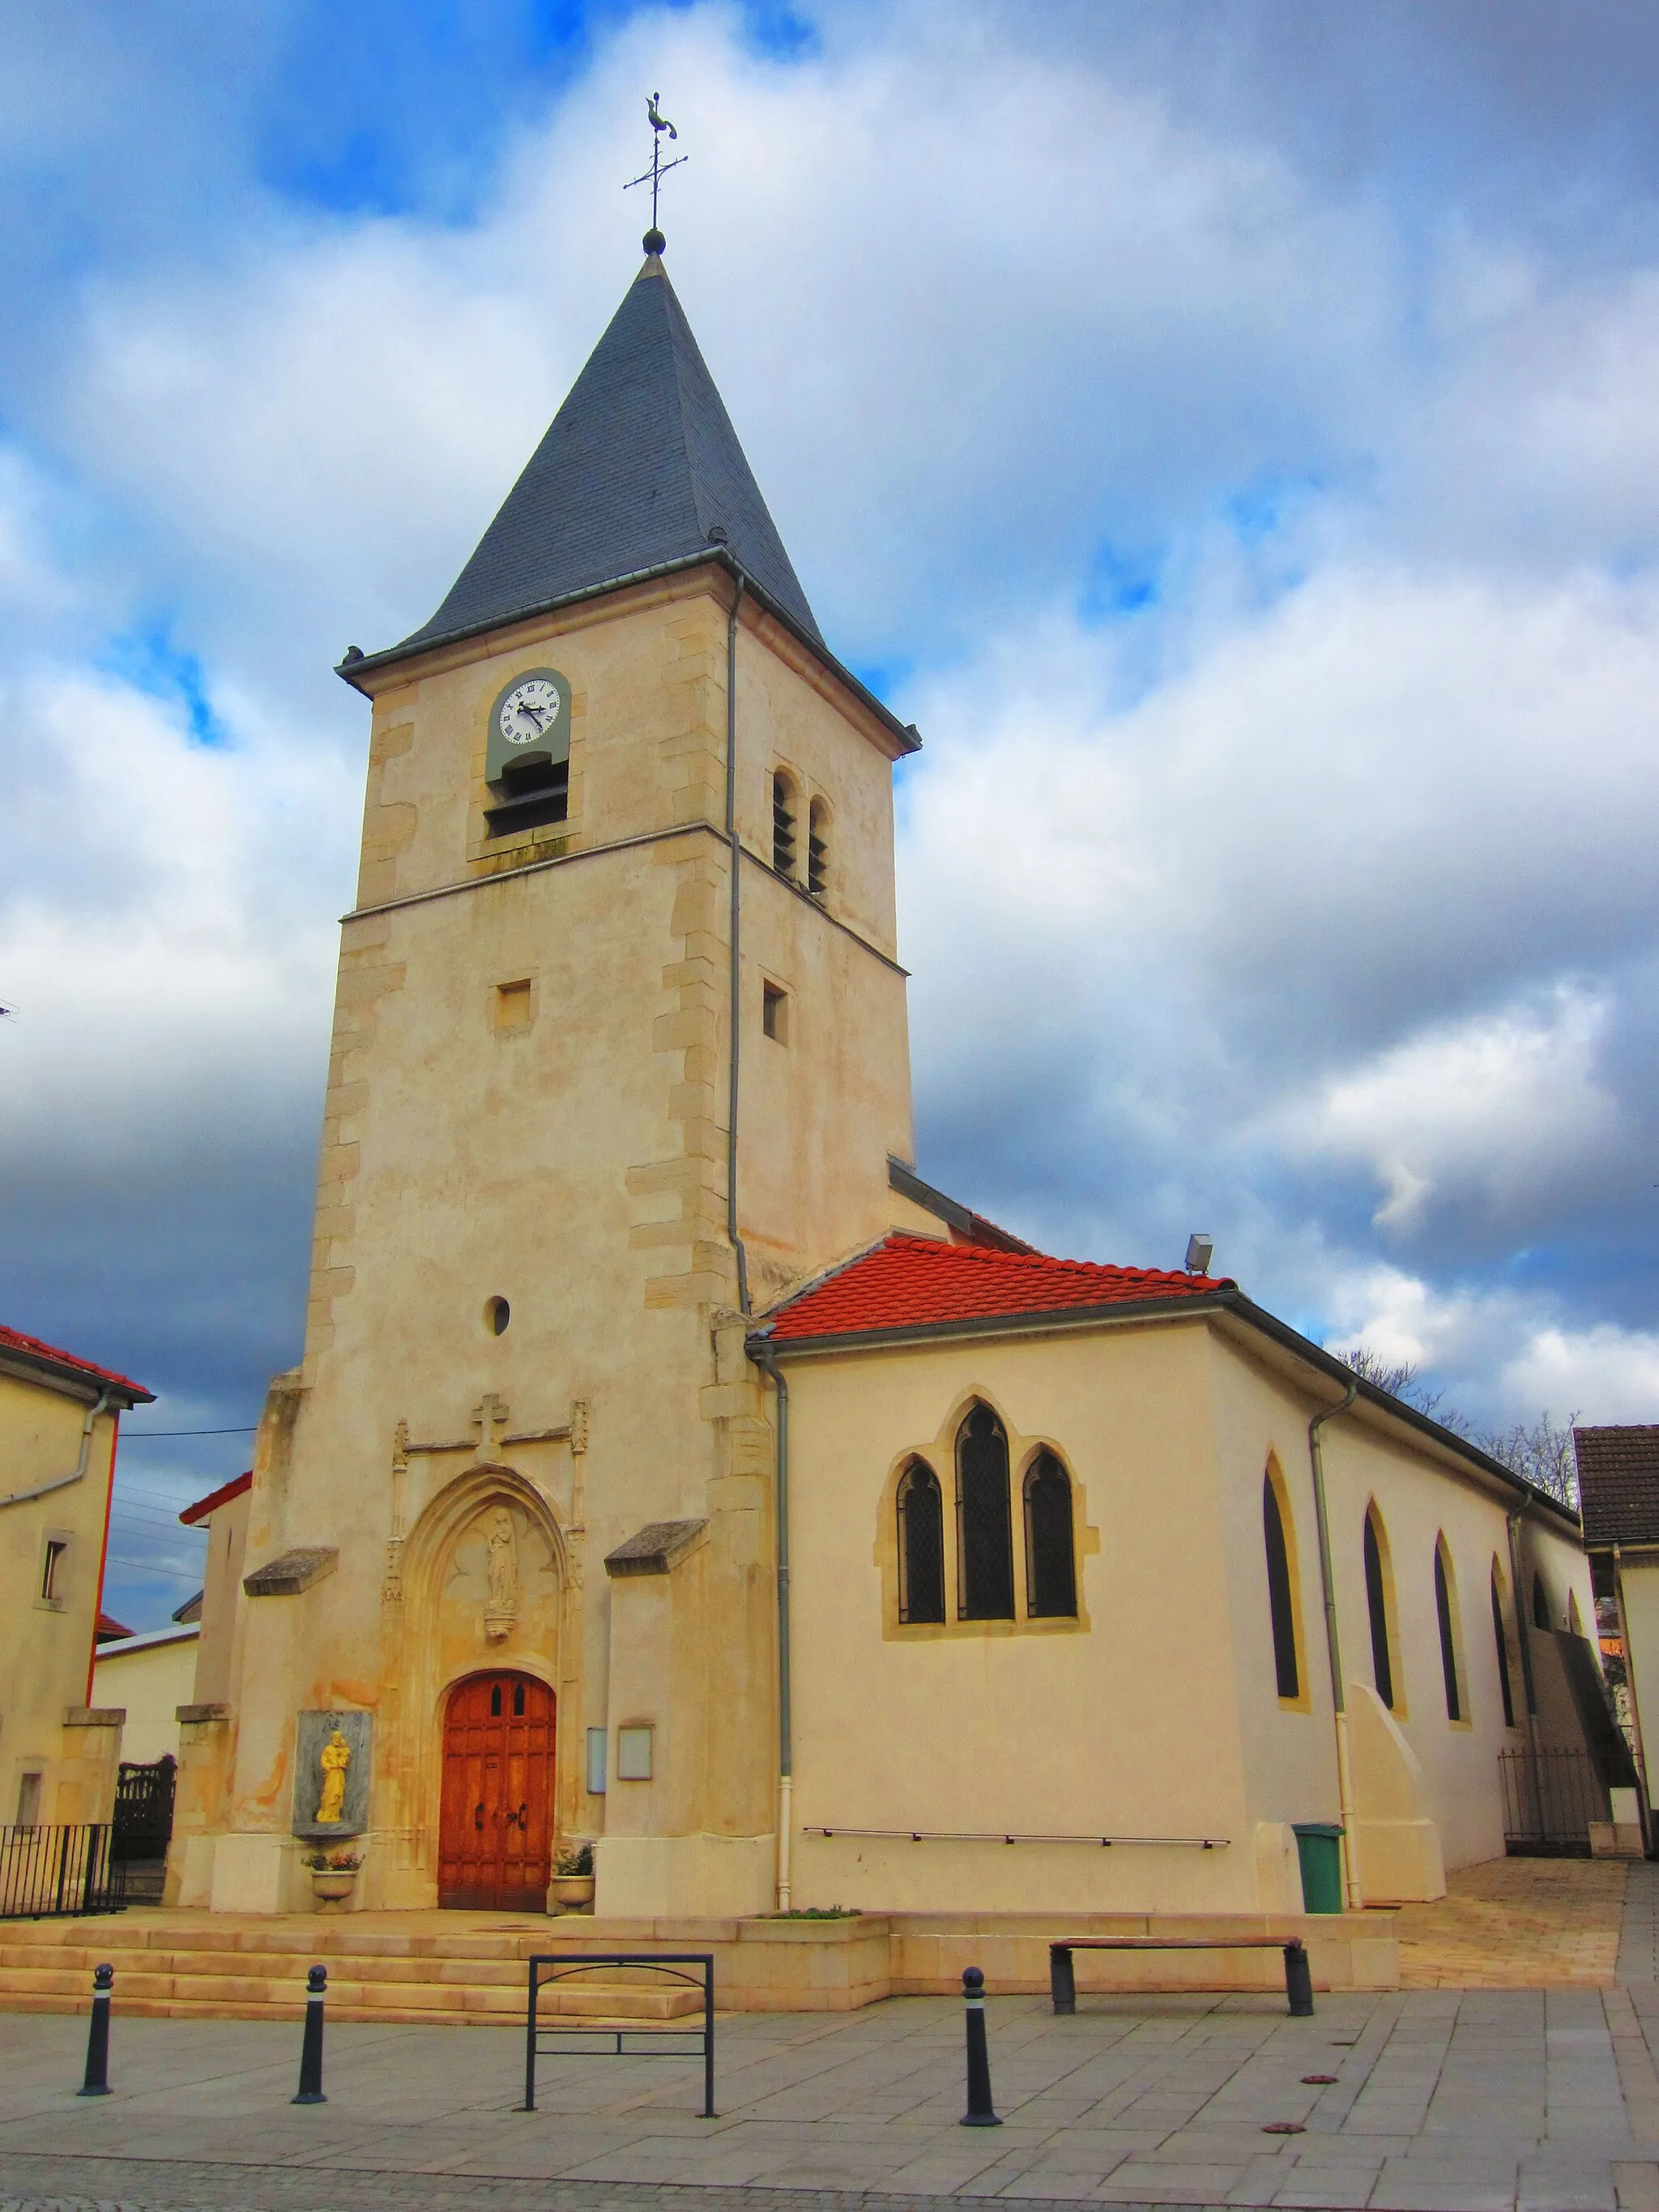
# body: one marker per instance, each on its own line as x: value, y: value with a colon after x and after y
x: 667, y: 1963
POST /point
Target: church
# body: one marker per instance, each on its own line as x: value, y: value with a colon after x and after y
x: 671, y: 1468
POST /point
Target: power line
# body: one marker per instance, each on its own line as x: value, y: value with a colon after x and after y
x: 136, y: 1435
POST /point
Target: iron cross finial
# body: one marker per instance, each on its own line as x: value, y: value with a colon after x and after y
x: 653, y: 240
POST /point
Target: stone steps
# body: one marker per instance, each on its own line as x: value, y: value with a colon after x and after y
x: 48, y: 1968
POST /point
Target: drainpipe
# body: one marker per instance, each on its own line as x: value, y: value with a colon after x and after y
x: 766, y: 1358
x: 1334, y: 1648
x: 736, y: 977
x: 100, y: 1405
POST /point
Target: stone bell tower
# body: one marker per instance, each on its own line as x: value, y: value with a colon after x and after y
x: 619, y: 1046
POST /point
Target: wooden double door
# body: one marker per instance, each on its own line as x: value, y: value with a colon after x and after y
x: 495, y: 1823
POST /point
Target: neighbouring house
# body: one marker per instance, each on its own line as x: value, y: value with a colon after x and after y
x: 58, y: 1419
x: 668, y: 1464
x: 148, y: 1677
x: 1618, y: 1499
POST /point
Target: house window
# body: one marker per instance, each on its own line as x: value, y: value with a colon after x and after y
x: 818, y: 849
x: 52, y: 1570
x: 921, y: 1544
x: 774, y: 1012
x: 1377, y: 1603
x: 1050, y: 1568
x: 984, y: 1550
x: 1445, y: 1610
x: 1540, y: 1603
x: 1281, y: 1596
x: 783, y: 825
x: 1506, y: 1689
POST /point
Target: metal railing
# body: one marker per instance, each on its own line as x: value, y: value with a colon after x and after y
x: 54, y: 1871
x: 549, y: 1966
x: 1550, y: 1798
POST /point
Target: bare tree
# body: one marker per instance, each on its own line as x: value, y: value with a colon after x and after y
x: 1538, y: 1451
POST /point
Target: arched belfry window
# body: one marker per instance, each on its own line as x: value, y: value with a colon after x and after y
x: 1050, y: 1566
x: 984, y: 1550
x: 1445, y: 1612
x: 921, y: 1544
x: 783, y: 825
x: 1378, y: 1605
x: 818, y: 849
x: 1281, y: 1596
x: 1506, y: 1688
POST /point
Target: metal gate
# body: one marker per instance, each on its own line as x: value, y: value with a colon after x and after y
x: 1550, y: 1798
x: 144, y: 1827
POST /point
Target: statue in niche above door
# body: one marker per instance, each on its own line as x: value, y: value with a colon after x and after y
x: 502, y: 1608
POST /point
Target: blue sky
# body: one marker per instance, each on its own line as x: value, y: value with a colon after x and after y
x: 1225, y: 427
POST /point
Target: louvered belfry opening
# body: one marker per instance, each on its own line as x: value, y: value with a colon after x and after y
x: 1050, y: 1566
x: 920, y: 1545
x: 985, y: 1549
x: 818, y: 849
x: 783, y: 826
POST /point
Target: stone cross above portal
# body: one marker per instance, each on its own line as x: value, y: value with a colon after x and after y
x: 490, y: 1419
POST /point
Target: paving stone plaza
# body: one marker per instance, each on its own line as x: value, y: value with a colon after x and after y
x: 1444, y: 2098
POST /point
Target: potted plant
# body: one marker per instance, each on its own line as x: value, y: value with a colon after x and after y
x: 332, y: 1873
x: 573, y: 1877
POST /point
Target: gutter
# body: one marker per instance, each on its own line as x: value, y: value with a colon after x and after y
x: 760, y: 1351
x: 99, y: 1406
x: 1333, y: 1647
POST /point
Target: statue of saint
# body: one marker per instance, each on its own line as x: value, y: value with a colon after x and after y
x: 502, y: 1556
x: 334, y: 1759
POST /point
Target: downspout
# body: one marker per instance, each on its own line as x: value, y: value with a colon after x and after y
x: 1333, y: 1647
x: 100, y: 1405
x: 736, y: 976
x: 103, y: 1554
x: 766, y: 1358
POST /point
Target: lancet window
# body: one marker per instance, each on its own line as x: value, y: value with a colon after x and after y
x: 1445, y: 1612
x: 1379, y: 1606
x: 1281, y: 1597
x: 920, y: 1545
x: 1050, y: 1565
x: 985, y: 1551
x: 1506, y: 1688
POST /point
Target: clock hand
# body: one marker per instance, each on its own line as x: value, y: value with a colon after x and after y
x: 524, y: 707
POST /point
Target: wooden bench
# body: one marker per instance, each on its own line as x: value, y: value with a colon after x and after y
x: 1298, y: 1981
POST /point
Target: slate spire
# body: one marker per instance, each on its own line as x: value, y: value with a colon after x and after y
x: 640, y: 465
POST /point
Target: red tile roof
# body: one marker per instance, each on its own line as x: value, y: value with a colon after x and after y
x: 1618, y: 1483
x: 909, y: 1282
x: 48, y: 1355
x: 194, y: 1515
x: 109, y: 1629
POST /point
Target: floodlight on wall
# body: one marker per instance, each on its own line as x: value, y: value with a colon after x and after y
x: 1198, y: 1249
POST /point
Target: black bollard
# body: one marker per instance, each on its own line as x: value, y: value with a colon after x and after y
x: 311, y: 2050
x: 979, y: 2113
x: 1298, y: 1981
x: 97, y: 2082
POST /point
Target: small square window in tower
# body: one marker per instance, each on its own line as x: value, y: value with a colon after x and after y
x: 783, y: 825
x: 774, y: 1014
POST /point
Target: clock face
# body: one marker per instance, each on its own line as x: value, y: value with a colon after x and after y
x: 529, y: 710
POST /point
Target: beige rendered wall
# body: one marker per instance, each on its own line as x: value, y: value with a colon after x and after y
x: 46, y: 1646
x: 150, y: 1681
x: 572, y: 1163
x: 222, y: 1589
x: 1638, y: 1579
x: 1121, y: 1723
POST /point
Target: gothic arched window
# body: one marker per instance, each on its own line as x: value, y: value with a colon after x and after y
x: 1379, y: 1606
x: 1506, y: 1686
x: 921, y: 1544
x: 1281, y: 1596
x: 1540, y: 1603
x: 1050, y: 1567
x: 984, y: 1550
x: 1445, y: 1612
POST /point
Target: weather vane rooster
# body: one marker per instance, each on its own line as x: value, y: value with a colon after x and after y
x: 654, y: 241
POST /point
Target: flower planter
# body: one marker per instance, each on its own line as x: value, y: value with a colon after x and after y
x: 333, y: 1885
x: 570, y: 1892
